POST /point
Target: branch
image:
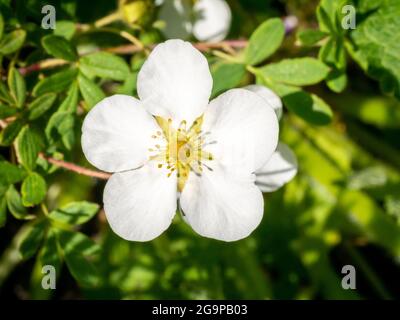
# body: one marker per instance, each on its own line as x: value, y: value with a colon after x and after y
x: 227, y: 45
x: 202, y: 46
x: 75, y: 168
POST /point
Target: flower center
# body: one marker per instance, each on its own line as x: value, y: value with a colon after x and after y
x: 184, y: 150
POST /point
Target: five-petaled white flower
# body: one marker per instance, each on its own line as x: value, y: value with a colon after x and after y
x: 172, y: 147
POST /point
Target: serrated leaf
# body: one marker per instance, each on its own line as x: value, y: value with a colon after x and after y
x: 226, y: 76
x: 61, y: 126
x: 12, y: 41
x: 90, y: 91
x: 28, y: 146
x: 264, y: 41
x: 56, y: 83
x: 299, y: 71
x: 40, y: 105
x: 33, y: 189
x: 310, y: 37
x: 377, y: 47
x: 10, y: 132
x: 104, y: 65
x: 75, y: 213
x: 70, y: 102
x: 17, y: 86
x: 30, y: 244
x: 59, y: 47
x: 10, y: 173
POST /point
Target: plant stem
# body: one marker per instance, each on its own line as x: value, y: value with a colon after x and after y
x: 107, y: 19
x: 76, y: 168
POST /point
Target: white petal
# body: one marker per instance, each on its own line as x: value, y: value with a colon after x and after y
x: 222, y: 206
x: 242, y: 129
x: 280, y: 169
x: 267, y: 94
x: 176, y: 16
x: 140, y: 204
x: 175, y: 82
x: 116, y: 134
x: 213, y: 20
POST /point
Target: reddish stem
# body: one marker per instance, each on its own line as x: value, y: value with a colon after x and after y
x: 75, y: 168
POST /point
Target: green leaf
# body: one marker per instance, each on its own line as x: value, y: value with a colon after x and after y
x: 264, y: 41
x: 75, y: 213
x: 10, y: 173
x: 30, y: 244
x: 59, y: 47
x: 307, y: 106
x: 14, y: 204
x: 299, y: 72
x: 65, y: 28
x: 104, y: 65
x: 70, y: 102
x: 49, y: 254
x: 129, y: 85
x: 337, y: 80
x: 90, y: 91
x: 76, y: 242
x: 77, y: 248
x: 57, y: 82
x: 28, y: 146
x: 310, y: 37
x: 226, y: 76
x: 377, y: 46
x: 6, y: 111
x: 84, y: 271
x: 3, y: 211
x: 1, y: 26
x: 40, y: 105
x: 333, y: 54
x: 33, y: 189
x: 17, y: 87
x: 12, y: 42
x: 365, y: 214
x: 4, y: 94
x: 61, y: 125
x: 324, y: 20
x: 8, y: 135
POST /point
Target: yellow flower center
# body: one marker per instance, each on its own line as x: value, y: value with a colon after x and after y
x: 183, y: 152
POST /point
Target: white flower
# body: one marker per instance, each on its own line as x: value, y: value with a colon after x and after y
x: 208, y: 20
x: 173, y: 144
x: 282, y: 166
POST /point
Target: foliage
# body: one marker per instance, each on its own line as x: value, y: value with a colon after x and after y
x: 343, y: 207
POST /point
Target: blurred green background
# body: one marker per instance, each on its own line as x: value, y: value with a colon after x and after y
x: 343, y: 207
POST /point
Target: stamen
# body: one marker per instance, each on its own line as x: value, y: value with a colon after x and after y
x: 186, y: 160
